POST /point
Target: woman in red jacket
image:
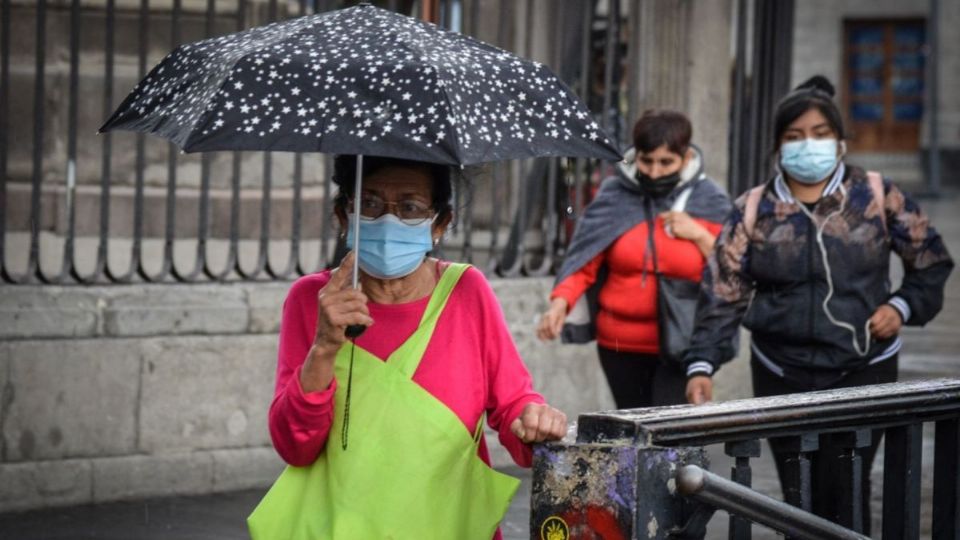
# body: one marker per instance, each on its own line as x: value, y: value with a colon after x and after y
x: 606, y: 289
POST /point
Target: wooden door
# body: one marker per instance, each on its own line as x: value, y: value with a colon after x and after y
x: 883, y: 83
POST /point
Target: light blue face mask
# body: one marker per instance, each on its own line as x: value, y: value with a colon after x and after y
x: 389, y: 247
x: 809, y: 161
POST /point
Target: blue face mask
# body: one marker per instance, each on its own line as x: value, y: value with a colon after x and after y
x: 809, y: 161
x: 389, y: 247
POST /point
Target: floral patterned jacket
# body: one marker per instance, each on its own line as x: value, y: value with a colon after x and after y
x: 777, y: 278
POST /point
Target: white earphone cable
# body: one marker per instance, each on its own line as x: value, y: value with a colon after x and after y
x: 826, y: 266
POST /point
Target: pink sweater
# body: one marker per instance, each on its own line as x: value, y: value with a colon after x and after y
x: 471, y: 365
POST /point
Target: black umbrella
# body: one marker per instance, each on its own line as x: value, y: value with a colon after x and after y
x: 361, y: 80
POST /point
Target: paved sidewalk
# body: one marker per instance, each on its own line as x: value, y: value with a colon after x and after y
x: 209, y: 517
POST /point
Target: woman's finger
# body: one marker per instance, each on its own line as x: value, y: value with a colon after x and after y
x: 556, y: 325
x: 531, y: 423
x: 558, y: 426
x: 347, y: 318
x: 342, y: 277
x: 344, y: 302
x: 543, y: 326
x: 887, y: 326
x: 516, y: 427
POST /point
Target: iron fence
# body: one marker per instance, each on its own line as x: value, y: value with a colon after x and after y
x: 128, y: 208
x: 639, y: 473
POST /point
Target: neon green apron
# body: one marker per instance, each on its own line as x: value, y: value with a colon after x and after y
x: 410, y: 470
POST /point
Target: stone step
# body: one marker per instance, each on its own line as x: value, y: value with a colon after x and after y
x: 901, y: 167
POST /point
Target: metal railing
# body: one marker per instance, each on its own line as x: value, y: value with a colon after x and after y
x: 800, y: 420
x: 716, y: 492
x: 130, y: 208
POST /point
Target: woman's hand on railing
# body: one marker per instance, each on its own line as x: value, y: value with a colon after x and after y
x: 551, y: 322
x: 699, y: 389
x: 538, y: 423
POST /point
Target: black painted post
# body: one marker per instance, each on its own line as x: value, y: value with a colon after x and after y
x: 608, y: 490
x: 851, y: 474
x: 741, y: 474
x: 901, y: 482
x: 798, y: 469
x: 946, y: 481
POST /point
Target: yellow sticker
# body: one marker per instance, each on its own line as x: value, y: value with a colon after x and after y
x: 554, y: 528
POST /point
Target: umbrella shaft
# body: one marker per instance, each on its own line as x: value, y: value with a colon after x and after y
x: 356, y: 218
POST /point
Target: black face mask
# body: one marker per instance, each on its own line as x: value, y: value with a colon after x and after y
x: 658, y: 187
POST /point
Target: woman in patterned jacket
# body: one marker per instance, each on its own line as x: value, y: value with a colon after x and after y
x: 803, y: 263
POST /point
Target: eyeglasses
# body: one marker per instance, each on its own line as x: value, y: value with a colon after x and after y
x: 410, y: 210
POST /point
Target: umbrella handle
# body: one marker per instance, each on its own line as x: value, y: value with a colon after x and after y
x: 355, y: 330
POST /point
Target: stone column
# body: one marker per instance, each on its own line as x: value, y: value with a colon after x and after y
x: 679, y: 58
x: 658, y: 48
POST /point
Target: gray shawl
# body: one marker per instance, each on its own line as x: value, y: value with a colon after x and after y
x: 617, y: 208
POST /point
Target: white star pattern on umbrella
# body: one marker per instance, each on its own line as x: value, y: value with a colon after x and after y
x: 374, y: 88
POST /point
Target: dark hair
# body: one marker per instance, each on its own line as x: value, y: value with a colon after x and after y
x: 658, y: 127
x: 345, y: 171
x: 815, y: 93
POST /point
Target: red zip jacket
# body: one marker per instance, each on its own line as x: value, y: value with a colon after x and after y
x: 627, y: 318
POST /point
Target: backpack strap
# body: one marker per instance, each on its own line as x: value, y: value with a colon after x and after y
x: 750, y: 209
x: 875, y: 180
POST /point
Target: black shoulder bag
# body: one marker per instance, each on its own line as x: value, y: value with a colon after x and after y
x: 676, y: 307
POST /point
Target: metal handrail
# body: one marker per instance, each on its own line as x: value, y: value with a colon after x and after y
x: 736, y: 499
x: 865, y: 407
x: 849, y: 417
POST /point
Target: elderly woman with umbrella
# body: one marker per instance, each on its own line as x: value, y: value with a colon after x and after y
x: 389, y: 363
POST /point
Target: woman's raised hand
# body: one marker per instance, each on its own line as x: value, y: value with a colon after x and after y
x: 681, y: 225
x: 338, y: 306
x: 538, y: 423
x: 551, y: 322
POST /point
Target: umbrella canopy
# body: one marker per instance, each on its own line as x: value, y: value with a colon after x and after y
x: 361, y: 80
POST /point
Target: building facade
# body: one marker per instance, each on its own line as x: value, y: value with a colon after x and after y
x: 877, y: 54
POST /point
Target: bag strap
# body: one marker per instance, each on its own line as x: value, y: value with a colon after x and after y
x: 750, y: 209
x: 478, y: 431
x: 875, y: 180
x: 407, y: 357
x: 651, y: 245
x: 680, y: 204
